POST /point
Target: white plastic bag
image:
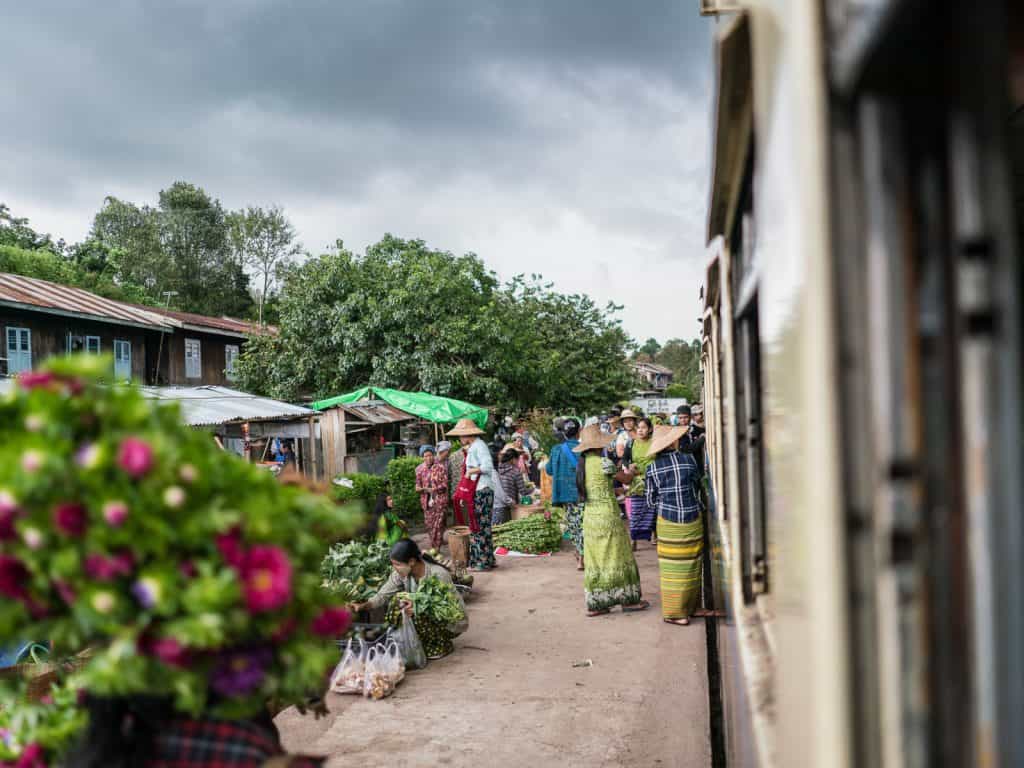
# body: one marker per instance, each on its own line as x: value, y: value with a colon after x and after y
x: 394, y: 664
x: 409, y: 644
x: 377, y: 682
x: 348, y: 676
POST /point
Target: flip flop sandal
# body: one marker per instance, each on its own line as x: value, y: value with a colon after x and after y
x: 678, y: 622
x: 604, y: 612
x: 643, y: 605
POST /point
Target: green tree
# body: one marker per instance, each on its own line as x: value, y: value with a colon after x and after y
x: 263, y: 241
x: 181, y: 245
x: 194, y: 236
x: 16, y: 232
x: 650, y: 348
x: 407, y: 316
x: 683, y: 358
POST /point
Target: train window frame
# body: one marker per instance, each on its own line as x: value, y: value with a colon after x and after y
x: 748, y: 409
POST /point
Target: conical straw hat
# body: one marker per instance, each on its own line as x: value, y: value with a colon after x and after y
x: 464, y: 428
x: 664, y: 436
x: 592, y: 439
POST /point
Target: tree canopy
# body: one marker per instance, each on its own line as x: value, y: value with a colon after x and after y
x: 683, y: 359
x: 406, y: 316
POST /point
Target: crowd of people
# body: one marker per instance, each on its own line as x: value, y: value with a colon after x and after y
x: 620, y: 479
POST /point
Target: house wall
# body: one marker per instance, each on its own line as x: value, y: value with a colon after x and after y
x: 212, y: 357
x: 49, y: 336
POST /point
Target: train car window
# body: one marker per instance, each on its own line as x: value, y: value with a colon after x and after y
x: 748, y: 413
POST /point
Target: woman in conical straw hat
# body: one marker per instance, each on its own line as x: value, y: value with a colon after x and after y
x: 670, y: 486
x: 478, y: 475
x: 610, y: 574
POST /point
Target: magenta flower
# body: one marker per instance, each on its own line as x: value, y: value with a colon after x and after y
x: 13, y: 576
x: 31, y: 756
x: 332, y: 622
x: 103, y: 568
x: 135, y: 457
x: 241, y: 672
x: 267, y: 578
x: 230, y: 547
x: 188, y: 569
x: 34, y: 380
x: 70, y: 519
x: 167, y: 649
x: 115, y: 513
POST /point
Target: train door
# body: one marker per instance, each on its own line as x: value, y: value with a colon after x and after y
x: 926, y: 215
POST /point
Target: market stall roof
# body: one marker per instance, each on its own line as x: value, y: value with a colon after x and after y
x: 212, y: 406
x: 440, y: 410
x: 375, y: 412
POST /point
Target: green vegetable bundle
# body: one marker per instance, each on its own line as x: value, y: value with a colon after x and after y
x: 354, y: 571
x: 533, y: 535
x: 434, y: 599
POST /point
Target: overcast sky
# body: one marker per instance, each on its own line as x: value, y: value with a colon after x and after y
x: 565, y: 137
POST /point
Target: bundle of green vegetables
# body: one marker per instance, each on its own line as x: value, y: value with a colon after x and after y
x: 435, y: 600
x: 533, y: 535
x: 355, y: 570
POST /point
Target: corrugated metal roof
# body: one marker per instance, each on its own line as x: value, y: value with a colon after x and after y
x: 377, y: 412
x: 210, y: 406
x: 34, y: 292
x: 227, y: 324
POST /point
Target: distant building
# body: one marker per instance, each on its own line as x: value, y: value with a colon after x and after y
x: 655, y: 378
x: 40, y: 319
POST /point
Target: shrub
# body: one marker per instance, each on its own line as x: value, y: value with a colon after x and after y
x: 365, y: 488
x: 402, y: 480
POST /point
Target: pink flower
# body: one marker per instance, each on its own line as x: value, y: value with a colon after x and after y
x: 267, y: 578
x: 332, y: 622
x: 31, y: 756
x: 34, y: 422
x: 32, y: 461
x: 103, y: 602
x: 34, y: 380
x: 188, y: 474
x: 230, y: 547
x: 115, y: 513
x: 188, y: 569
x: 70, y: 519
x: 174, y: 496
x: 33, y: 538
x: 135, y: 457
x: 103, y: 568
x: 167, y: 649
x: 8, y: 513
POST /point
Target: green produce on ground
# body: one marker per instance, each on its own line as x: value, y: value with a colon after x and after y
x: 533, y: 535
x: 354, y: 571
x: 435, y: 600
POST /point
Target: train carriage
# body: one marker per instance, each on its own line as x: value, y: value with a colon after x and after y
x: 861, y: 352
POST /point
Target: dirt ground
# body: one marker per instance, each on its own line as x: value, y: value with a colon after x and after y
x: 511, y: 695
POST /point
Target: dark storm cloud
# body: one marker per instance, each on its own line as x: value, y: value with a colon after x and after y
x: 588, y: 111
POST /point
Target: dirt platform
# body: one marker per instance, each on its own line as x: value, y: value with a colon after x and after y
x: 511, y: 695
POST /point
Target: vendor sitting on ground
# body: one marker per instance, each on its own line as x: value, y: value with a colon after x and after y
x: 409, y: 567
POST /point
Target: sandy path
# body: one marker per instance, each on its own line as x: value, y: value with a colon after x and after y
x: 510, y: 695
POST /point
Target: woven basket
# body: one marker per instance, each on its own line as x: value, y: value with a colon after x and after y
x: 43, y: 675
x: 458, y: 543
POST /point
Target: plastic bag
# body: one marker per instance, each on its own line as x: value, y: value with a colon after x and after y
x: 378, y: 682
x: 349, y: 675
x: 394, y: 663
x: 409, y: 644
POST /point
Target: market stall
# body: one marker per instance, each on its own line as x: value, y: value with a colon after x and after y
x: 364, y: 429
x: 247, y: 424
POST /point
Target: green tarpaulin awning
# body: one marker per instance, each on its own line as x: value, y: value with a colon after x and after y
x: 440, y: 410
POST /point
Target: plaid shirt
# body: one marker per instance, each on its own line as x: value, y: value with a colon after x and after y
x: 671, y: 487
x: 221, y: 744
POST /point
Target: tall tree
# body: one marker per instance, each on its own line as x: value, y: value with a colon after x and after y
x: 130, y: 234
x: 16, y: 232
x: 407, y: 316
x: 263, y: 241
x: 650, y: 348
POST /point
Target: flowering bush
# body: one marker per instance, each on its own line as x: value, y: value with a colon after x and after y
x: 189, y: 573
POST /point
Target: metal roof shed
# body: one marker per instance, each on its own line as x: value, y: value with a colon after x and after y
x: 235, y: 414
